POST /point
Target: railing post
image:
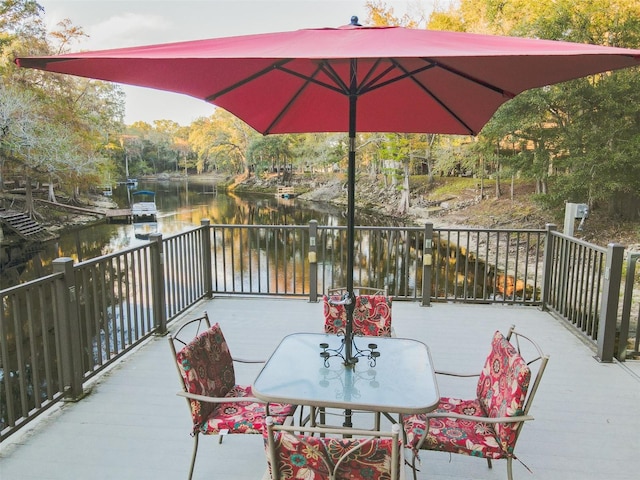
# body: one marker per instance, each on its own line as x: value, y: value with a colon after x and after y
x: 632, y: 259
x: 69, y: 328
x: 427, y: 264
x: 157, y: 283
x: 313, y: 260
x: 610, y: 298
x: 547, y: 264
x: 206, y: 257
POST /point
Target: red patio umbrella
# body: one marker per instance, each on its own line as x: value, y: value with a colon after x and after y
x: 349, y: 79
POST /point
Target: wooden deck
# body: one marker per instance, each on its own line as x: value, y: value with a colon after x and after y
x: 133, y: 426
x: 118, y: 215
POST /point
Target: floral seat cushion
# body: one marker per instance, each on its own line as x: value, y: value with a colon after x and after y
x: 371, y: 316
x: 453, y: 435
x: 314, y: 458
x: 206, y: 366
x: 502, y: 388
x: 243, y: 417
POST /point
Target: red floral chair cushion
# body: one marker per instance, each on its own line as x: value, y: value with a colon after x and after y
x: 206, y: 366
x: 371, y: 316
x: 502, y: 387
x: 501, y: 390
x: 314, y: 458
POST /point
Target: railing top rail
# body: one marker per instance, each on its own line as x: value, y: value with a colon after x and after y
x: 469, y: 229
x: 579, y: 242
x: 109, y: 256
x: 254, y: 227
x: 31, y: 283
x: 382, y: 228
x: 124, y: 251
x: 372, y: 227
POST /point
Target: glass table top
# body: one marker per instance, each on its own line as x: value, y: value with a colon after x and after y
x: 402, y: 380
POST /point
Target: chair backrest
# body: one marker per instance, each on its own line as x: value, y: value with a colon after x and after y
x: 358, y: 291
x: 206, y: 368
x: 371, y: 316
x: 329, y: 456
x: 504, y: 387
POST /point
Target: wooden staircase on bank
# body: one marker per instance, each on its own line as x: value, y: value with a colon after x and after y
x: 23, y: 226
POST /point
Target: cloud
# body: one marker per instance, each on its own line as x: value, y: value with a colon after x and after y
x: 125, y: 30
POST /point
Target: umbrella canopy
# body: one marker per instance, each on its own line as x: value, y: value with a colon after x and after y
x: 349, y: 79
x: 406, y: 80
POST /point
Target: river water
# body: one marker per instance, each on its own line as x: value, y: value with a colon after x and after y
x: 181, y: 206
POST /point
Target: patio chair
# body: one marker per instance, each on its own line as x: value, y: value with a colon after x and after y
x: 371, y: 316
x: 295, y: 452
x: 217, y: 404
x: 487, y: 426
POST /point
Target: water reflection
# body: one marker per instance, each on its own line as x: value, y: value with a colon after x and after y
x: 181, y: 206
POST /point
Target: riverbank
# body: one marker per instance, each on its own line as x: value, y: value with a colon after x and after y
x: 447, y: 203
x: 453, y: 203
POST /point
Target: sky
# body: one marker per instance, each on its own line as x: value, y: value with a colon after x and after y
x: 127, y: 23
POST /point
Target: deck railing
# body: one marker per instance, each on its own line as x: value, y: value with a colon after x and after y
x: 583, y: 287
x: 59, y: 331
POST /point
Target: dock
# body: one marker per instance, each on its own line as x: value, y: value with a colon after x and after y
x: 115, y: 215
x: 286, y: 192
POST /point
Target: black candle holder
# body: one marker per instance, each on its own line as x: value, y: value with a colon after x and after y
x: 370, y: 353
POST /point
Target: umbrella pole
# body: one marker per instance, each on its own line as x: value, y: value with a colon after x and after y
x: 350, y: 306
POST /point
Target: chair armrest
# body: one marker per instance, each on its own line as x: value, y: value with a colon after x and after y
x: 472, y: 418
x: 248, y: 360
x: 204, y: 398
x: 455, y: 374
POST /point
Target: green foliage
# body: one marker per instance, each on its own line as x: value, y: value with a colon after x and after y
x: 578, y: 140
x: 62, y: 132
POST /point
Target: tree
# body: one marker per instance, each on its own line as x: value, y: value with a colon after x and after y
x: 578, y: 136
x: 271, y: 153
x: 221, y: 142
x: 69, y: 120
x: 17, y: 118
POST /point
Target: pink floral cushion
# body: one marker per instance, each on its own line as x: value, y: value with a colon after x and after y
x: 501, y: 390
x: 502, y: 387
x: 452, y: 435
x: 313, y: 458
x: 371, y: 316
x: 207, y: 369
x: 243, y: 417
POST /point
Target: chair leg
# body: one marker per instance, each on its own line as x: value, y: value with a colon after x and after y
x: 510, y: 468
x: 414, y: 468
x: 489, y: 463
x: 193, y: 455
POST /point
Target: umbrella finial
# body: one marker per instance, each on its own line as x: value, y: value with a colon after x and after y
x: 354, y: 21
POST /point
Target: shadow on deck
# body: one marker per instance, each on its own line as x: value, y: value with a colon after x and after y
x: 133, y: 426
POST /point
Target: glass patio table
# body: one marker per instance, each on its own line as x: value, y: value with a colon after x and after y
x: 401, y: 380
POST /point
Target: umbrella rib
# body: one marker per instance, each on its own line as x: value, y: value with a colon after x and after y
x: 372, y: 85
x: 311, y: 79
x: 366, y: 83
x: 434, y: 97
x: 212, y: 98
x: 470, y: 78
x: 308, y: 79
x: 341, y: 86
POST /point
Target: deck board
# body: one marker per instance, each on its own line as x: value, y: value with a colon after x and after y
x: 133, y: 426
